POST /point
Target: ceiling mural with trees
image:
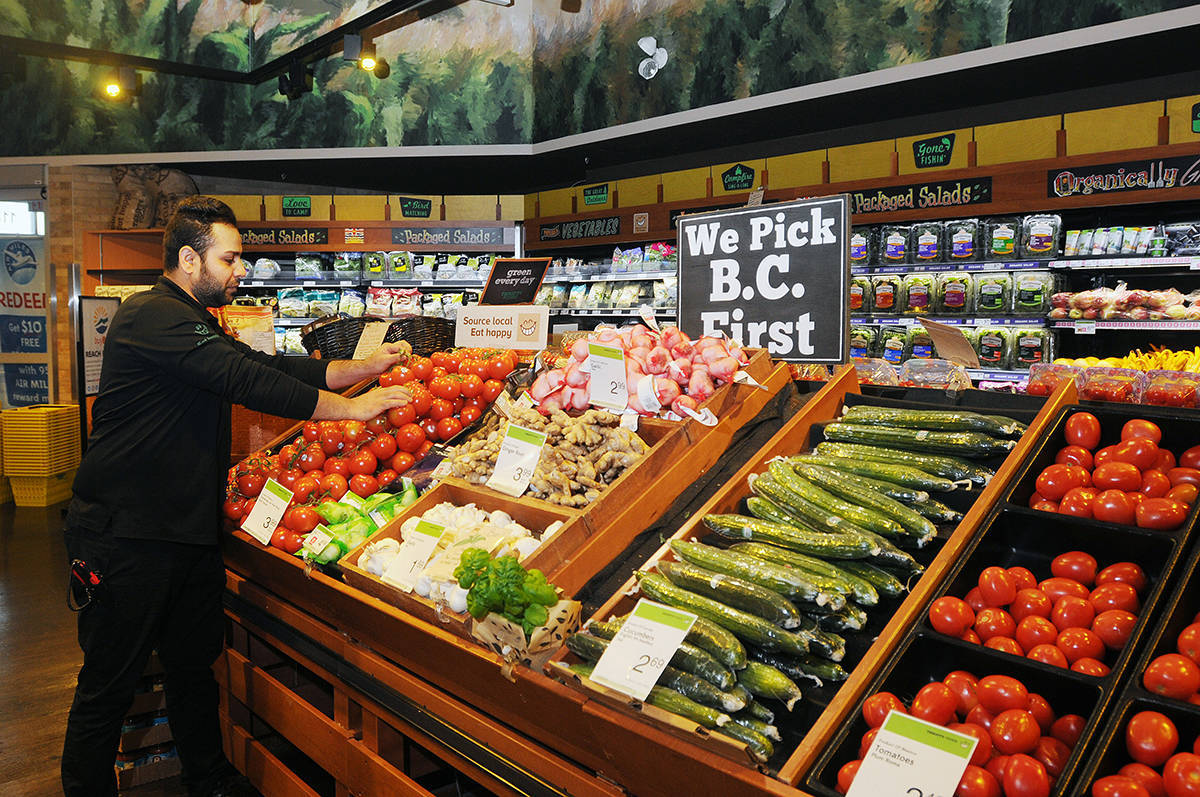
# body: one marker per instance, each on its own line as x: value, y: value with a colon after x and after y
x: 466, y: 72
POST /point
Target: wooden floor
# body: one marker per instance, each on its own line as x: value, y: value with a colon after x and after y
x: 39, y: 656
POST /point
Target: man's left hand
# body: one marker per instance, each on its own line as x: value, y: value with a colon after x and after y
x: 386, y: 356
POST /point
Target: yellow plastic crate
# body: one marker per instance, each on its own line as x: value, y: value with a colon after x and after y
x: 6, y: 493
x: 41, y: 440
x: 42, y: 490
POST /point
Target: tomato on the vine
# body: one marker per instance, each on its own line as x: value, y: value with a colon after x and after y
x: 421, y: 367
x: 251, y: 484
x: 312, y: 458
x: 311, y: 431
x: 429, y: 427
x: 286, y: 539
x: 363, y: 485
x: 354, y: 433
x: 470, y: 385
x: 500, y: 366
x: 383, y: 446
x: 448, y: 427
x: 377, y: 426
x: 305, y: 487
x: 335, y: 485
x: 439, y: 359
x: 491, y: 389
x: 289, y: 477
x: 469, y: 414
x: 234, y: 507
x: 301, y: 519
x: 399, y: 416
x: 363, y: 462
x: 409, y: 438
x: 402, y: 461
x: 337, y: 465
x: 444, y: 387
x: 424, y: 449
x: 331, y: 441
x: 421, y: 399
x: 386, y: 477
x: 440, y: 408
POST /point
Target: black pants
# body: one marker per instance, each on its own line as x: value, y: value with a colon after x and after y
x: 155, y: 596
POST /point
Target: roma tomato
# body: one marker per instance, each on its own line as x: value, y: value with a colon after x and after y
x: 1056, y: 480
x: 1155, y: 484
x: 865, y: 744
x: 962, y: 684
x: 1025, y: 777
x: 977, y: 782
x: 1160, y: 514
x: 1078, y: 502
x: 981, y: 716
x: 1048, y: 653
x: 1104, y: 456
x: 1004, y: 644
x: 951, y: 616
x: 1149, y: 778
x: 934, y: 702
x: 1057, y: 587
x: 1181, y: 775
x: 1041, y: 503
x: 1074, y: 455
x: 1180, y: 476
x: 1030, y: 603
x: 1188, y: 642
x: 970, y: 636
x: 1071, y: 611
x: 845, y: 775
x: 996, y: 587
x: 1015, y: 731
x: 1083, y: 429
x: 1114, y: 627
x: 1076, y: 565
x: 876, y: 707
x: 1166, y: 460
x: 1183, y: 493
x: 1053, y: 754
x: 1090, y: 666
x: 1001, y: 692
x: 974, y: 599
x: 1068, y: 728
x: 1022, y: 577
x: 1113, y: 506
x: 1080, y: 643
x: 1190, y: 458
x: 363, y: 485
x: 1115, y: 595
x: 1124, y: 573
x: 1039, y: 707
x: 1141, y: 428
x: 1138, y: 451
x: 1172, y: 675
x: 1151, y: 738
x: 1034, y: 631
x: 1118, y: 786
x: 1117, y: 475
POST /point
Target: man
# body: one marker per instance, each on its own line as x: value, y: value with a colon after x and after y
x: 145, y: 516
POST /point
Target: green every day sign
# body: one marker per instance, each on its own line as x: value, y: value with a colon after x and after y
x: 297, y: 206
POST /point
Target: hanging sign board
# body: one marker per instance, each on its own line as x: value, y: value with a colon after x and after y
x: 503, y: 327
x: 514, y: 280
x: 774, y: 277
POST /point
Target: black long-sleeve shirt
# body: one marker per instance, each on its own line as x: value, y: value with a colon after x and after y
x: 159, y: 450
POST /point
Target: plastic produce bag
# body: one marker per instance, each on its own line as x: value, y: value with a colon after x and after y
x: 322, y: 302
x: 292, y: 302
x: 348, y: 264
x: 352, y: 303
x: 308, y: 265
x: 265, y: 269
x: 406, y: 301
x: 873, y: 371
x: 935, y: 373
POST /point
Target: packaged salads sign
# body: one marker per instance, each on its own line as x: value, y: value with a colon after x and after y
x: 943, y: 194
x: 774, y: 277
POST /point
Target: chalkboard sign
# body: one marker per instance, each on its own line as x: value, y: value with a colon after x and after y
x: 774, y: 277
x: 514, y: 280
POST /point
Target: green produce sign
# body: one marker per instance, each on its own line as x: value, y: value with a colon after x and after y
x: 596, y: 195
x: 738, y: 177
x: 413, y: 208
x: 936, y: 151
x: 1196, y: 118
x: 297, y: 206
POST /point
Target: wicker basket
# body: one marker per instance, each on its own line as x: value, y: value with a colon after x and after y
x: 426, y: 334
x: 334, y: 336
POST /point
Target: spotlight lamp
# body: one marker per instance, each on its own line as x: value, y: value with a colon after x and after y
x: 297, y: 81
x: 366, y: 57
x: 123, y: 83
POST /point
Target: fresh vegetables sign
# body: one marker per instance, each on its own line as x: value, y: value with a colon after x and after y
x: 773, y: 277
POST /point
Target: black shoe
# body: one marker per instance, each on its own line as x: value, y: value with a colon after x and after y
x: 235, y: 786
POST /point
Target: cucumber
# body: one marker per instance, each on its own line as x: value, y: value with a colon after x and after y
x: 891, y: 556
x: 737, y: 592
x: 934, y: 420
x: 814, y: 543
x: 743, y: 693
x: 809, y: 513
x: 591, y: 648
x: 687, y: 657
x: 766, y: 729
x: 948, y: 467
x: 719, y: 642
x: 883, y: 581
x: 963, y: 444
x: 937, y: 512
x: 851, y: 618
x: 858, y: 589
x: 763, y: 680
x: 857, y: 514
x: 838, y: 484
x: 785, y: 581
x: 800, y: 667
x: 757, y: 710
x: 901, y: 475
x: 765, y: 509
x: 672, y: 701
x: 742, y: 624
x: 894, y: 491
x: 822, y: 643
x: 760, y: 747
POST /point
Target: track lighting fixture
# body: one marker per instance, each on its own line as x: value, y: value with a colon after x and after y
x: 122, y: 84
x: 297, y: 81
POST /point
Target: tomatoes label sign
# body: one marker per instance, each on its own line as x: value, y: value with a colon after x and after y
x: 419, y: 544
x: 519, y: 454
x: 268, y: 510
x: 638, y: 654
x: 913, y: 757
x: 317, y: 539
x: 606, y: 386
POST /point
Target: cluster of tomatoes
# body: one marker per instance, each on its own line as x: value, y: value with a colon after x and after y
x: 1022, y: 745
x: 1177, y: 675
x: 1068, y: 620
x: 1133, y: 481
x: 1157, y: 770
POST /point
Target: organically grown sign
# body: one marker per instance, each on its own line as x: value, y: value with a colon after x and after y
x: 773, y: 277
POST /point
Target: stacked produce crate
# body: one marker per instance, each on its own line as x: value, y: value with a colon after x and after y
x: 41, y: 452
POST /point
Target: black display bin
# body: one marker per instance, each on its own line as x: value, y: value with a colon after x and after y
x: 1108, y: 753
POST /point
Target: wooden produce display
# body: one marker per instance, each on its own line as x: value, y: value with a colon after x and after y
x: 823, y: 713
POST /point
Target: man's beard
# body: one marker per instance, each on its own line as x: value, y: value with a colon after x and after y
x: 209, y: 291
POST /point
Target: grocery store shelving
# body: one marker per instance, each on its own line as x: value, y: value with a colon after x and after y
x: 435, y: 283
x: 970, y: 321
x: 918, y: 268
x: 609, y: 311
x: 1002, y: 375
x: 1086, y: 326
x: 629, y: 275
x: 1067, y: 264
x: 1190, y: 262
x: 286, y: 321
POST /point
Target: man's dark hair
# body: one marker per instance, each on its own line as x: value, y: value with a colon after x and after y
x: 191, y: 225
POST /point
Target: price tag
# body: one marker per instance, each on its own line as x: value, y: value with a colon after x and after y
x: 911, y: 756
x: 756, y: 198
x: 317, y: 539
x: 525, y: 400
x: 268, y: 509
x: 606, y: 385
x: 643, y: 646
x: 418, y: 546
x: 353, y: 499
x: 370, y: 339
x: 647, y: 315
x: 519, y: 454
x: 1087, y: 327
x: 309, y: 283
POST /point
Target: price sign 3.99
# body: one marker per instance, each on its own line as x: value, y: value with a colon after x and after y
x: 637, y: 655
x: 520, y: 451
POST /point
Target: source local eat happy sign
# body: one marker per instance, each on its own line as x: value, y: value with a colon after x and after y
x: 774, y: 277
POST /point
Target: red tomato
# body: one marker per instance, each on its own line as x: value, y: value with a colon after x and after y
x: 934, y: 702
x: 995, y: 587
x: 1114, y: 627
x: 491, y: 389
x: 1079, y: 643
x: 477, y: 368
x: 286, y: 540
x: 1115, y: 595
x: 1149, y: 778
x: 1068, y: 728
x: 1160, y: 514
x: 287, y: 456
x: 234, y: 507
x: 1022, y: 577
x: 1181, y: 775
x: 1184, y: 493
x: 290, y: 476
x: 440, y: 408
x: 1030, y: 603
x: 1074, y: 455
x: 335, y: 484
x: 383, y: 447
x: 1056, y: 588
x: 1083, y: 429
x: 1172, y: 675
x: 402, y: 461
x: 1025, y: 776
x: 424, y: 449
x: 355, y: 433
x: 1155, y: 484
x: 421, y: 399
x: 1053, y: 754
x: 1138, y: 451
x: 1078, y: 502
x: 311, y: 458
x: 1140, y: 428
x: 386, y: 477
x: 421, y: 367
x: 301, y: 519
x: 429, y: 427
x: 1034, y: 631
x: 1040, y: 708
x: 970, y: 636
x: 448, y: 427
x: 1151, y: 738
x: 251, y: 484
x: 363, y: 462
x: 1124, y: 573
x: 977, y: 782
x: 304, y: 488
x: 996, y: 767
x: 1118, y: 786
x: 1075, y: 565
x: 501, y: 365
x: 845, y: 775
x: 974, y: 599
x: 1048, y: 653
x: 1103, y: 457
x: 399, y: 416
x: 1188, y: 643
x: 470, y: 386
x: 1117, y: 475
x: 992, y: 622
x: 962, y: 684
x: 1072, y: 612
x: 1113, y: 506
x: 409, y: 437
x: 950, y: 616
x: 1014, y: 731
x: 363, y: 485
x: 1056, y: 480
x: 444, y: 387
x: 1180, y: 476
x: 339, y: 465
x: 1044, y: 505
x: 311, y: 431
x: 1090, y: 666
x: 440, y: 359
x: 867, y: 739
x: 980, y: 716
x: 469, y: 415
x: 1004, y: 644
x: 1001, y: 692
x: 1165, y: 461
x: 876, y: 707
x: 983, y: 749
x: 1190, y: 458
